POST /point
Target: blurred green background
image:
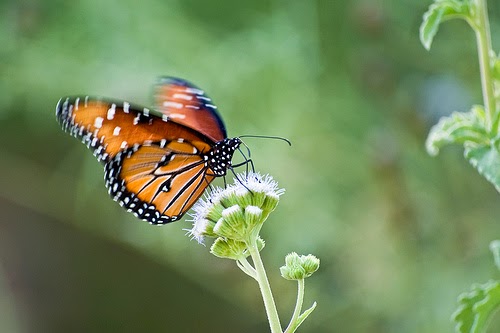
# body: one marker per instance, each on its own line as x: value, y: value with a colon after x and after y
x: 399, y: 234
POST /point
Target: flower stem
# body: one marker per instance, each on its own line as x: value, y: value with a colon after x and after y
x: 245, y: 266
x: 482, y: 30
x: 298, y: 307
x: 265, y: 289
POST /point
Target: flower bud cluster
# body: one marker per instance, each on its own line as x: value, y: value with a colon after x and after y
x: 299, y: 267
x: 234, y: 215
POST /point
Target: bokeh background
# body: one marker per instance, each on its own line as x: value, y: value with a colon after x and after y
x: 400, y: 234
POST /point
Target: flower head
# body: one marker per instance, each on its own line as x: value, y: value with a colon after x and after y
x: 238, y: 211
x: 299, y: 267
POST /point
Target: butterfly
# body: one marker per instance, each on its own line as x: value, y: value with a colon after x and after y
x: 157, y: 162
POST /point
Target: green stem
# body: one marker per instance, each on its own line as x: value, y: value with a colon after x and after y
x: 298, y: 307
x: 265, y: 289
x: 482, y: 29
x: 245, y: 266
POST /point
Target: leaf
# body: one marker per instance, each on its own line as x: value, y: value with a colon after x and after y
x: 438, y: 12
x: 496, y: 69
x: 495, y: 249
x: 475, y: 307
x: 459, y: 127
x: 486, y: 159
x: 303, y: 317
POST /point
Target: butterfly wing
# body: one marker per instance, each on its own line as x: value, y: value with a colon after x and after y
x: 190, y: 106
x: 158, y: 182
x: 154, y: 167
x: 107, y: 127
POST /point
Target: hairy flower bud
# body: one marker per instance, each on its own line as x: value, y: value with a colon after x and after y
x: 299, y: 267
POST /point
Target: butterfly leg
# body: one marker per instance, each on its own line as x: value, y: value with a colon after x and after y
x: 238, y: 179
x: 246, y: 162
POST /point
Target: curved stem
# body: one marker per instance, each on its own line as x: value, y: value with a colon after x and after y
x: 265, y: 289
x: 298, y: 307
x: 482, y: 29
x: 245, y: 266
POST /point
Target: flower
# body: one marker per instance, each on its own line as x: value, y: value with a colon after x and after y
x: 238, y: 211
x: 232, y: 249
x: 299, y: 267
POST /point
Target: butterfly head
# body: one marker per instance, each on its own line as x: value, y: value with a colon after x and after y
x: 220, y: 156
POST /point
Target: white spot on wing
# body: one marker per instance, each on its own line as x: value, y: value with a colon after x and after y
x: 98, y: 122
x: 116, y: 131
x: 124, y: 145
x: 76, y: 103
x: 146, y: 111
x: 126, y: 107
x: 194, y: 91
x: 136, y: 119
x: 177, y: 115
x: 183, y: 96
x: 173, y: 104
x: 164, y: 117
x: 111, y: 112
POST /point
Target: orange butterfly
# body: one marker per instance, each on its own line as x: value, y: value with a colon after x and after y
x: 157, y: 162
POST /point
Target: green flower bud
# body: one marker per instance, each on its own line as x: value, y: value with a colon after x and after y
x: 253, y: 216
x: 214, y: 212
x: 201, y: 229
x: 228, y: 248
x: 227, y: 197
x: 258, y: 198
x: 232, y: 224
x: 270, y: 202
x: 224, y: 211
x: 242, y: 197
x: 299, y: 267
x: 310, y: 264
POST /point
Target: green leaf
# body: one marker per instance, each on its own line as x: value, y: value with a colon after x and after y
x: 303, y: 317
x: 459, y: 127
x: 475, y: 307
x: 496, y: 68
x: 486, y: 159
x: 438, y: 12
x: 495, y: 249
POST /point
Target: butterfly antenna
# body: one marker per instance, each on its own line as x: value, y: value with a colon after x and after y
x: 267, y: 137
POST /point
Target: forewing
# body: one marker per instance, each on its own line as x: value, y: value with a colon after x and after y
x: 190, y: 106
x: 108, y: 127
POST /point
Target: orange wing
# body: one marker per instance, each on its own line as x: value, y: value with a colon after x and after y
x: 158, y: 182
x: 190, y: 106
x: 108, y: 127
